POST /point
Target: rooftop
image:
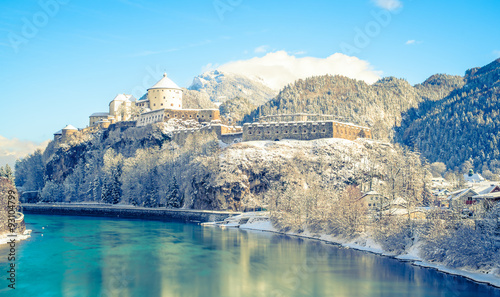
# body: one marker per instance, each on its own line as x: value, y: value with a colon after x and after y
x: 69, y: 127
x: 165, y: 83
x: 474, y: 178
x: 124, y: 97
x: 100, y: 114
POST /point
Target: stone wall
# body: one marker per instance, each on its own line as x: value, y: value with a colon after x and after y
x: 128, y: 212
x: 124, y: 125
x: 303, y: 131
x: 151, y: 117
x: 201, y: 115
x: 180, y: 136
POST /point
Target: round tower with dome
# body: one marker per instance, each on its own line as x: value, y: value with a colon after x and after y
x: 165, y: 94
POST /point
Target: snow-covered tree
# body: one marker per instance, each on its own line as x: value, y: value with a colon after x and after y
x: 112, y: 170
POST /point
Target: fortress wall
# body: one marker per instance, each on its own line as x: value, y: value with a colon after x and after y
x: 151, y: 117
x: 229, y: 129
x: 230, y: 138
x: 180, y: 136
x: 349, y: 131
x: 201, y: 115
x: 303, y: 131
x: 124, y: 125
x: 66, y: 134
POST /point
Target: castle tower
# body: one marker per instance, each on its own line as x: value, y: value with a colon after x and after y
x: 119, y: 108
x: 68, y: 131
x: 165, y: 94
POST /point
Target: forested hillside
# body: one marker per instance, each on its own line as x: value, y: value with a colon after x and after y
x: 236, y: 109
x: 142, y: 166
x: 378, y: 106
x: 463, y: 129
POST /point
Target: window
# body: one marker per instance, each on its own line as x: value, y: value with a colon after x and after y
x: 162, y: 104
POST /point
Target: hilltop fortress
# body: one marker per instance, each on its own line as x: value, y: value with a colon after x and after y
x: 164, y: 103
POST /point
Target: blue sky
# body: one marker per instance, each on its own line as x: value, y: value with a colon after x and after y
x: 79, y: 54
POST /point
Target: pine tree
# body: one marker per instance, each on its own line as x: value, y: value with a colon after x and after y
x: 174, y: 198
x: 2, y: 172
x: 8, y: 173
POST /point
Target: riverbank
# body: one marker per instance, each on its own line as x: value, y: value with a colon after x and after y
x: 125, y: 211
x: 260, y: 222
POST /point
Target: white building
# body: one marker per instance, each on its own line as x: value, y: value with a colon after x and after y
x: 120, y: 107
x: 119, y: 110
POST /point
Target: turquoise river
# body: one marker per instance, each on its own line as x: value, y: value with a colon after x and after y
x: 104, y: 257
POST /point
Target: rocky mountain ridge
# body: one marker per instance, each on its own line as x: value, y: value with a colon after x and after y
x: 222, y: 86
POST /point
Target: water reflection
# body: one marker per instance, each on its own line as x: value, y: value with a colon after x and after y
x: 79, y: 256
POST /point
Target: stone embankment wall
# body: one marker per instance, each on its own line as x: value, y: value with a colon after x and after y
x: 128, y: 212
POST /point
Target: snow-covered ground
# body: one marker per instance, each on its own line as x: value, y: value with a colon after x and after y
x: 259, y: 221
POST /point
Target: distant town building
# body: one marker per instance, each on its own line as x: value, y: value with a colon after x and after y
x: 472, y: 177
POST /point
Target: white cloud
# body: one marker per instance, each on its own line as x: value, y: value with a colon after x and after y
x: 388, y: 4
x: 278, y: 69
x: 13, y: 149
x: 410, y: 42
x: 261, y: 49
x: 497, y: 53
